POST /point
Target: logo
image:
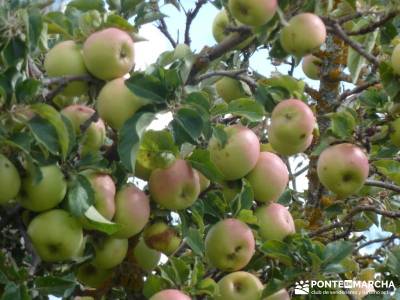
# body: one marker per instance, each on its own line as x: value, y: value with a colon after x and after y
x: 302, y: 287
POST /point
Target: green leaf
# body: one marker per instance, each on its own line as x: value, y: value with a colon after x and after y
x: 44, y: 133
x: 187, y: 125
x: 57, y: 22
x: 99, y: 223
x: 390, y: 80
x: 153, y: 285
x: 80, y: 195
x: 247, y: 216
x: 343, y: 123
x: 244, y: 200
x: 195, y: 241
x: 393, y: 261
x: 54, y: 118
x: 181, y: 270
x: 119, y: 22
x: 86, y: 5
x: 15, y: 292
x: 57, y: 286
x: 278, y: 250
x: 34, y: 26
x: 27, y: 90
x: 335, y: 252
x: 130, y: 136
x: 200, y: 160
x: 147, y: 87
x: 389, y: 168
x: 247, y: 108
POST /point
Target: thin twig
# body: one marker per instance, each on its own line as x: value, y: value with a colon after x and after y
x: 385, y: 185
x: 92, y: 119
x: 385, y: 239
x: 358, y: 89
x: 162, y: 26
x: 373, y: 26
x: 190, y: 16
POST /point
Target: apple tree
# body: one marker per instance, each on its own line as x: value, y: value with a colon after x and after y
x: 261, y: 179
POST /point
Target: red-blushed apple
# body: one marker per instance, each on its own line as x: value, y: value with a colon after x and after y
x: 343, y: 169
x: 92, y: 276
x: 109, y: 53
x: 132, y: 211
x: 395, y: 59
x: 46, y: 193
x: 162, y: 237
x: 304, y: 33
x: 253, y: 12
x: 94, y: 136
x: 269, y: 177
x: 229, y: 89
x: 275, y: 222
x: 204, y: 182
x: 65, y: 59
x: 279, y: 295
x: 395, y: 132
x: 239, y: 286
x: 109, y: 252
x: 220, y: 28
x: 145, y: 257
x: 176, y: 187
x: 239, y: 155
x: 10, y: 181
x: 229, y: 245
x: 116, y: 103
x: 291, y: 128
x: 311, y: 66
x: 56, y: 235
x: 170, y: 294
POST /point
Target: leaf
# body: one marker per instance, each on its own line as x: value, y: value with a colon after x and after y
x: 27, y: 90
x: 277, y: 250
x: 244, y: 200
x: 119, y: 22
x: 247, y: 108
x: 57, y: 22
x: 15, y: 292
x: 147, y: 87
x: 195, y: 241
x: 335, y: 252
x: 200, y: 160
x: 130, y: 136
x: 247, y: 216
x: 44, y: 133
x: 80, y: 195
x: 389, y: 168
x: 57, y: 286
x: 153, y: 285
x: 390, y: 80
x: 343, y: 124
x: 99, y: 223
x: 86, y: 5
x: 187, y: 125
x: 54, y: 118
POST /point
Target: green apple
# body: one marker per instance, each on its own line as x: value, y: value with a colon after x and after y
x: 239, y: 286
x: 94, y: 137
x: 204, y: 182
x: 229, y: 245
x: 395, y: 59
x: 279, y: 295
x: 109, y: 53
x: 162, y: 237
x: 275, y: 222
x: 239, y: 155
x: 229, y: 89
x: 312, y: 66
x: 305, y: 33
x: 91, y: 276
x: 176, y: 187
x: 10, y: 181
x: 45, y: 194
x: 170, y: 294
x: 109, y: 252
x: 146, y: 257
x: 116, y: 103
x: 395, y: 132
x: 132, y: 211
x: 219, y: 29
x: 343, y: 169
x: 291, y: 128
x: 269, y: 177
x: 56, y: 235
x: 65, y: 59
x: 253, y: 12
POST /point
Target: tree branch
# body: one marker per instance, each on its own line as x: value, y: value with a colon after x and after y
x: 385, y: 185
x: 162, y: 26
x: 373, y: 26
x: 92, y: 119
x: 190, y: 16
x: 358, y: 89
x: 386, y: 239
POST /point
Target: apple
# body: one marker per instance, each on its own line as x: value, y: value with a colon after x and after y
x: 109, y: 53
x: 304, y: 33
x: 239, y: 286
x: 229, y: 245
x: 94, y: 137
x: 182, y: 51
x: 279, y: 295
x: 253, y: 12
x: 343, y: 169
x: 275, y: 222
x: 132, y: 211
x: 116, y: 103
x: 395, y: 59
x: 170, y: 294
x: 10, y: 181
x: 395, y: 132
x: 176, y: 187
x: 92, y: 276
x: 162, y: 237
x: 269, y: 177
x: 45, y: 194
x: 109, y: 252
x: 145, y: 257
x: 219, y: 29
x: 204, y: 182
x: 239, y: 155
x: 56, y: 235
x: 65, y: 59
x: 229, y: 89
x: 312, y: 66
x: 291, y: 128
